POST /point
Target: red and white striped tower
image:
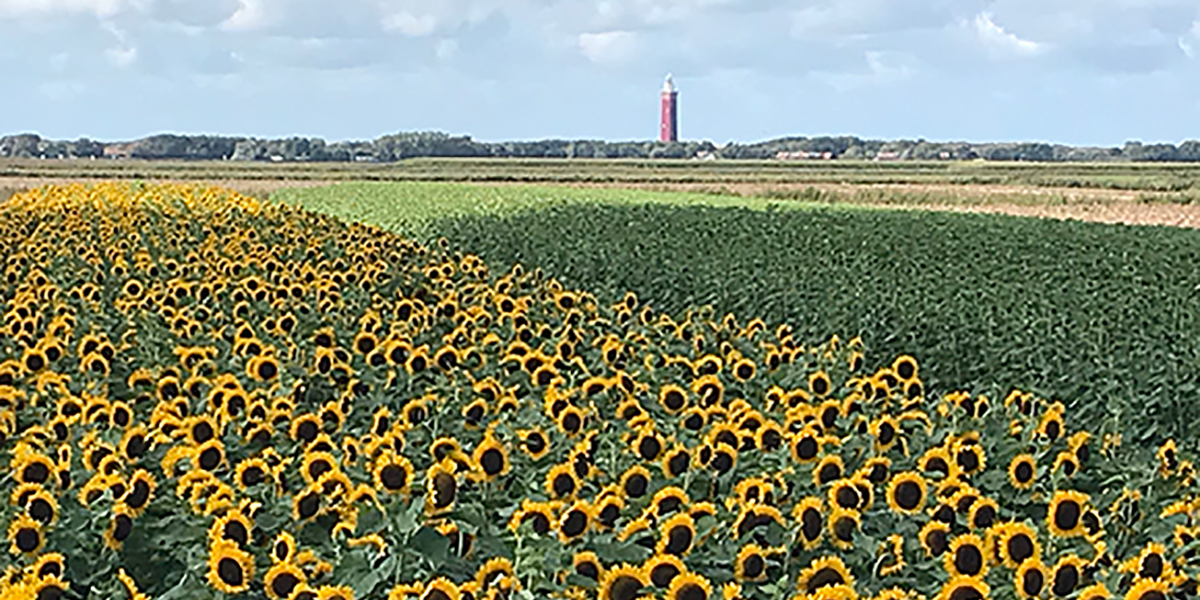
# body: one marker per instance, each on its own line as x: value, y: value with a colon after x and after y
x: 668, y: 127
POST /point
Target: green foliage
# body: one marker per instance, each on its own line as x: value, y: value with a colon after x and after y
x: 1102, y: 316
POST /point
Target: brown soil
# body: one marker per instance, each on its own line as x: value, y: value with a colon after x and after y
x: 1084, y: 204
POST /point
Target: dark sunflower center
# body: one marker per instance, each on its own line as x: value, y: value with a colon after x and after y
x: 574, y: 524
x: 35, y: 473
x: 564, y: 484
x: 679, y: 540
x: 1032, y: 582
x: 886, y: 433
x: 624, y: 588
x: 635, y: 486
x: 807, y: 448
x: 690, y: 591
x: 445, y: 487
x: 965, y: 592
x: 535, y: 443
x: 673, y: 400
x: 235, y: 531
x: 753, y: 566
x: 908, y: 495
x: 283, y: 584
x: 588, y: 569
x: 824, y: 577
x: 649, y: 448
x: 811, y: 524
x: 968, y: 560
x: 230, y: 572
x: 844, y: 528
x: 1066, y: 515
x: 1152, y: 567
x: 829, y: 472
x: 847, y: 496
x: 662, y: 574
x: 492, y: 461
x: 41, y: 511
x: 1020, y: 547
x: 308, y: 505
x: 936, y: 542
x: 28, y: 539
x: 1065, y: 580
x: 394, y: 477
x: 1024, y: 472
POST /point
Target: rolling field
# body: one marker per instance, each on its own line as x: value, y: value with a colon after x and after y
x: 1149, y: 177
x: 1101, y: 316
x: 207, y: 396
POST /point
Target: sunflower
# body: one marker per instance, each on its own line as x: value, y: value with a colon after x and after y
x: 438, y: 589
x: 829, y: 469
x: 689, y: 586
x: 251, y: 472
x: 884, y: 429
x: 906, y: 493
x: 534, y: 442
x: 1030, y: 579
x: 587, y: 564
x: 963, y: 588
x: 970, y: 458
x: 540, y: 516
x: 808, y: 512
x: 967, y: 556
x: 1063, y: 517
x: 232, y: 527
x: 667, y: 500
x: 1022, y: 471
x: 561, y: 482
x: 673, y: 398
x: 1096, y: 591
x: 571, y: 420
x: 675, y: 461
x: 622, y: 583
x: 819, y: 384
x: 1051, y: 425
x: 283, y: 549
x: 934, y: 537
x: 342, y: 592
x: 1147, y: 589
x: 678, y: 535
x: 635, y: 481
x: 25, y: 535
x: 607, y: 509
x: 744, y: 369
x: 230, y: 569
x: 843, y: 524
x: 282, y: 579
x: 661, y: 569
x: 491, y: 458
x: 805, y: 446
x: 822, y: 572
x: 39, y: 504
x: 750, y: 564
x: 1067, y: 573
x: 1018, y: 543
x: 392, y: 473
x: 574, y: 522
x: 647, y: 444
x: 441, y: 487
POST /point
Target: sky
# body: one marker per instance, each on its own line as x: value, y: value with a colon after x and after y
x: 1081, y: 72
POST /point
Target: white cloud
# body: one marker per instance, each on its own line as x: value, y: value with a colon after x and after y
x: 410, y: 24
x: 608, y: 47
x: 123, y: 54
x: 1001, y: 43
x: 250, y: 15
x: 1188, y: 42
x: 101, y: 8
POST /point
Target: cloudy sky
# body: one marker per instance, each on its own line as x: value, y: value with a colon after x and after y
x: 1071, y: 71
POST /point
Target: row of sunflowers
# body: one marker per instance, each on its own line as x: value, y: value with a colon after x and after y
x: 205, y: 395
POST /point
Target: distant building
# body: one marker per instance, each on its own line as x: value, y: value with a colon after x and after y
x: 668, y: 126
x: 803, y: 155
x: 887, y: 155
x: 118, y: 150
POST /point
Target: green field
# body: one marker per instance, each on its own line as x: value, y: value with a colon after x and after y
x: 1103, y: 317
x: 1159, y: 177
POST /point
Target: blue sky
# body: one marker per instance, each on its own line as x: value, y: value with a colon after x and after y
x: 1084, y: 72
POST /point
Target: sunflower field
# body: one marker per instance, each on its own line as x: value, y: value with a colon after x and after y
x: 205, y: 395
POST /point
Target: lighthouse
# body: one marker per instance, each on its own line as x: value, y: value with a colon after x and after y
x: 668, y: 127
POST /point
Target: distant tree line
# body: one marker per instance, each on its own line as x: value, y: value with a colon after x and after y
x: 399, y: 146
